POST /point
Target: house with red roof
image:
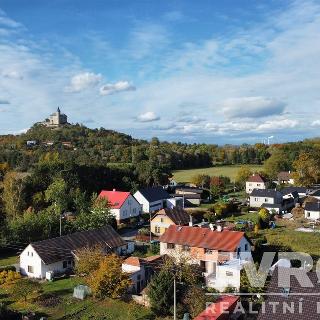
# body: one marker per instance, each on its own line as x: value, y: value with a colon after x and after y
x: 220, y: 254
x: 256, y: 181
x: 222, y: 309
x: 123, y: 205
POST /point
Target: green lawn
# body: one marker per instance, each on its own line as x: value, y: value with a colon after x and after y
x: 70, y: 308
x: 229, y: 171
x: 8, y: 259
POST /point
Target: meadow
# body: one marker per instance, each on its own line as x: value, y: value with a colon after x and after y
x: 228, y: 171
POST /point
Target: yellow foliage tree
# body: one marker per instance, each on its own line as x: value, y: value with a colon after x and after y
x: 88, y: 260
x: 109, y: 280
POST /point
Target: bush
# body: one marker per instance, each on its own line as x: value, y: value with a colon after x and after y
x: 8, y: 268
x: 7, y: 277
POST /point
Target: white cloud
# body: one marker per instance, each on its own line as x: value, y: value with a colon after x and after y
x: 9, y: 23
x: 315, y: 123
x: 11, y: 74
x: 82, y: 81
x: 148, y: 116
x: 252, y: 107
x: 111, y: 88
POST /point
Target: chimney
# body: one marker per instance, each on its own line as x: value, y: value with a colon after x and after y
x: 114, y: 190
x: 219, y: 228
x: 211, y: 227
x: 191, y: 221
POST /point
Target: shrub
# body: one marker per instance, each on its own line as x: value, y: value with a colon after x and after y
x: 7, y: 277
x: 8, y: 268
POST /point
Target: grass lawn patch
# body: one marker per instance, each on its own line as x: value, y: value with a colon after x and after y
x: 7, y: 259
x: 228, y: 171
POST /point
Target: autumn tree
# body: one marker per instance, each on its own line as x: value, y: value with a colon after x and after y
x: 25, y: 288
x: 13, y: 193
x: 277, y: 162
x: 88, y: 260
x: 109, y: 280
x: 201, y: 180
x: 307, y: 169
x: 242, y: 176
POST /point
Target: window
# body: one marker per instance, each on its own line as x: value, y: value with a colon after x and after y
x: 229, y: 274
x: 170, y: 246
x: 161, y: 219
x: 30, y: 269
x: 246, y: 247
x: 308, y: 214
x: 185, y: 248
x: 134, y: 210
x: 31, y: 254
x: 157, y: 229
x: 265, y: 199
x: 208, y: 251
x: 64, y: 264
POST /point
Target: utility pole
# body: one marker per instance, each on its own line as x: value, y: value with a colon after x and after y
x: 174, y: 299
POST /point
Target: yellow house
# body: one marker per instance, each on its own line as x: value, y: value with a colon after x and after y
x: 167, y: 217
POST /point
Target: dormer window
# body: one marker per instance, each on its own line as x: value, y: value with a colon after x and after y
x: 285, y: 292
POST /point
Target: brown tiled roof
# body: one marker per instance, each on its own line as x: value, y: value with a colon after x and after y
x: 61, y: 248
x: 134, y: 261
x: 256, y: 178
x: 308, y: 297
x: 284, y: 176
x: 203, y: 238
x: 177, y: 215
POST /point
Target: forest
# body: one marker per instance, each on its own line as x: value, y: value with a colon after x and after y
x: 46, y: 172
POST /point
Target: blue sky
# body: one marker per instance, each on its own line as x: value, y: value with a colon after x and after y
x: 209, y: 71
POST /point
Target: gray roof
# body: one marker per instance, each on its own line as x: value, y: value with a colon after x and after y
x: 315, y: 193
x: 312, y: 206
x: 308, y: 296
x: 190, y: 189
x: 267, y: 193
x: 288, y: 190
x: 61, y: 248
x: 153, y: 194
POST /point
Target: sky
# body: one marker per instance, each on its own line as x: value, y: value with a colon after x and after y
x: 232, y: 71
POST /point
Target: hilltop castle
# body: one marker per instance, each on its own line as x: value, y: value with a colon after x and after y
x: 56, y: 119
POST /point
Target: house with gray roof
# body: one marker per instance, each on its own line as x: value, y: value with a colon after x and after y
x: 312, y: 210
x: 271, y: 199
x: 152, y: 199
x: 57, y: 254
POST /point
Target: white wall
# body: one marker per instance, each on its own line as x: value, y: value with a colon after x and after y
x: 29, y: 257
x: 312, y: 215
x: 130, y: 208
x: 254, y: 185
x: 146, y: 206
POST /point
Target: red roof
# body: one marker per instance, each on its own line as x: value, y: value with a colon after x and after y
x: 256, y: 178
x: 115, y: 198
x: 203, y: 238
x: 219, y: 309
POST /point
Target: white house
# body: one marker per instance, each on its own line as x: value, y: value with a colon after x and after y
x: 285, y: 177
x: 152, y: 199
x: 220, y: 254
x: 141, y: 270
x: 256, y: 181
x: 57, y: 254
x: 123, y: 205
x: 312, y: 210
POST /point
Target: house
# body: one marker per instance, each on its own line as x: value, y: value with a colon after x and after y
x: 167, y: 217
x: 302, y: 191
x: 312, y: 210
x: 123, y: 205
x: 285, y: 177
x: 57, y: 254
x: 220, y: 254
x: 141, y: 270
x: 221, y: 309
x: 294, y: 302
x: 152, y: 198
x: 191, y: 196
x: 256, y: 181
x: 258, y: 197
x: 315, y: 194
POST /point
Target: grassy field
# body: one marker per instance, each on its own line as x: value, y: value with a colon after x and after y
x: 8, y: 259
x: 70, y: 308
x: 229, y: 171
